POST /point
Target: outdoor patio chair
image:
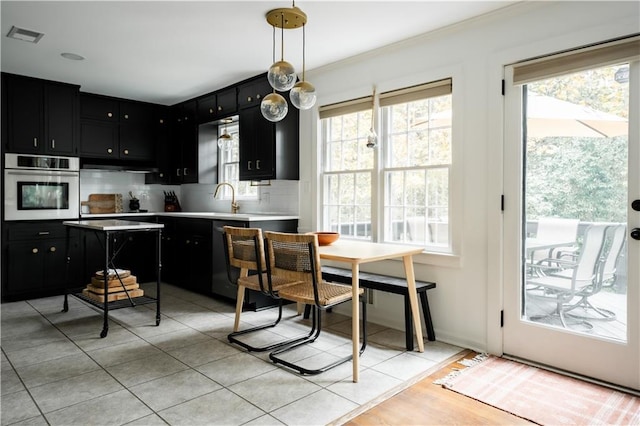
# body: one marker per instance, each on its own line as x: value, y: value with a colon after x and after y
x: 615, y: 238
x: 244, y: 250
x: 574, y: 280
x: 295, y: 257
x: 555, y: 229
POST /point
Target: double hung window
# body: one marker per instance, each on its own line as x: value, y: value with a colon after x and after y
x: 399, y: 191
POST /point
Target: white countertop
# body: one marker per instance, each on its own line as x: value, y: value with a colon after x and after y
x: 243, y: 217
x: 112, y: 225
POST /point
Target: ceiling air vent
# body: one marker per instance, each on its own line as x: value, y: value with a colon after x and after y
x: 24, y: 35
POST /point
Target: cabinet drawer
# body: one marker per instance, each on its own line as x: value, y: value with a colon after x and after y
x: 30, y: 231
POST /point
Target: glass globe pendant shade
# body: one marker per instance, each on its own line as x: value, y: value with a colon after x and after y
x: 274, y: 107
x: 303, y: 95
x: 224, y: 140
x: 372, y: 138
x: 282, y: 76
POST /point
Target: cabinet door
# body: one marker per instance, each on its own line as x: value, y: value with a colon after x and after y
x: 137, y: 142
x: 25, y: 111
x: 55, y: 264
x: 163, y: 136
x: 98, y: 139
x: 60, y: 119
x: 189, y: 147
x: 207, y: 109
x: 98, y: 107
x: 251, y: 93
x: 227, y: 103
x: 25, y: 267
x: 257, y: 139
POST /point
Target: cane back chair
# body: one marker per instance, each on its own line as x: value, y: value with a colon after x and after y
x: 244, y: 250
x: 295, y: 257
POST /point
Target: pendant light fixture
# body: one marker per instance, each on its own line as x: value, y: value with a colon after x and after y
x: 274, y: 106
x: 372, y: 136
x: 281, y: 74
x: 225, y: 138
x: 303, y: 94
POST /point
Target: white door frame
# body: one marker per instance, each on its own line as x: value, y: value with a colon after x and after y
x: 598, y: 358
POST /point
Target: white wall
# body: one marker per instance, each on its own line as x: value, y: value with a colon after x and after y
x: 467, y: 301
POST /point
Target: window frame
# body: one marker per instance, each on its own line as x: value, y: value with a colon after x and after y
x: 450, y: 256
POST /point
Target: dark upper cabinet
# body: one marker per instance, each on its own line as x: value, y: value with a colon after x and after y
x: 226, y: 102
x: 217, y: 105
x: 41, y: 116
x: 251, y: 93
x: 164, y: 129
x: 137, y: 131
x: 117, y: 129
x: 267, y: 150
x: 185, y: 143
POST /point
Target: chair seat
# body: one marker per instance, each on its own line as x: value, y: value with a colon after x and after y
x: 328, y: 293
x: 553, y: 283
x: 253, y: 282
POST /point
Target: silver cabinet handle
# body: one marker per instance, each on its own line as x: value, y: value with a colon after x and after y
x: 248, y: 165
x: 35, y: 142
x: 177, y: 172
x: 185, y: 173
x: 43, y: 233
x: 257, y: 164
x: 53, y: 144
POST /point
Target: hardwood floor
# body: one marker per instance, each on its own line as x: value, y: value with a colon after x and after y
x: 427, y: 404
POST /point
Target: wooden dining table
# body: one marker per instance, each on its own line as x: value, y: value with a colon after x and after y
x: 356, y: 253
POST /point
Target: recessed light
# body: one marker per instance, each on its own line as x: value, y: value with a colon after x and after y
x: 24, y: 35
x: 72, y: 56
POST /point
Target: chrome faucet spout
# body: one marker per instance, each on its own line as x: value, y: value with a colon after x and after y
x: 234, y: 206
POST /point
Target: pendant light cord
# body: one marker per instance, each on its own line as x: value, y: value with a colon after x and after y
x: 303, y: 50
x: 282, y: 36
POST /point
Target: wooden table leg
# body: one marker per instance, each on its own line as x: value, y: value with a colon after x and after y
x: 413, y: 299
x: 355, y: 320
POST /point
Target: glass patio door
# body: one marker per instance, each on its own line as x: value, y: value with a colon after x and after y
x: 572, y: 264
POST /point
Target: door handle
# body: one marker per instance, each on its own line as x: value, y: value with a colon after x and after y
x: 635, y: 204
x: 635, y: 233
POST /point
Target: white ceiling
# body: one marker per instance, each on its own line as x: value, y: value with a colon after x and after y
x: 169, y: 51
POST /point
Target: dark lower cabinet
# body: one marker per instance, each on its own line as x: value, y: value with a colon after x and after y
x: 35, y: 259
x: 193, y: 256
x: 186, y: 253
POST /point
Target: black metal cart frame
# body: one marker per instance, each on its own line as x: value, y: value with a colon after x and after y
x: 107, y: 232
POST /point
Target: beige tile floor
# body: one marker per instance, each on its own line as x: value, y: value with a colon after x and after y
x: 57, y: 370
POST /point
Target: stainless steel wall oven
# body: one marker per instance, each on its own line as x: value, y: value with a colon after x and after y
x: 38, y: 187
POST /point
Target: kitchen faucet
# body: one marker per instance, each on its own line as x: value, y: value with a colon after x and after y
x: 234, y: 206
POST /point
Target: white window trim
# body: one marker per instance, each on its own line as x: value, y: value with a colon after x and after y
x: 453, y: 259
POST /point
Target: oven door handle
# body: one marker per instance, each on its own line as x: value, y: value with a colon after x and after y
x: 41, y: 173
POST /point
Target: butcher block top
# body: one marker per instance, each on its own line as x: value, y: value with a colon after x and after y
x: 113, y: 225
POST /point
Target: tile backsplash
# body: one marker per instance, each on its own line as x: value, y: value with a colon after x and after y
x: 280, y: 197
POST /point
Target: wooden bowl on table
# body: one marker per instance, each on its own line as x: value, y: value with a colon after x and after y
x: 326, y: 238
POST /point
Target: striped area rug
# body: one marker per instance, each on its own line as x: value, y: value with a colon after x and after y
x: 542, y: 396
